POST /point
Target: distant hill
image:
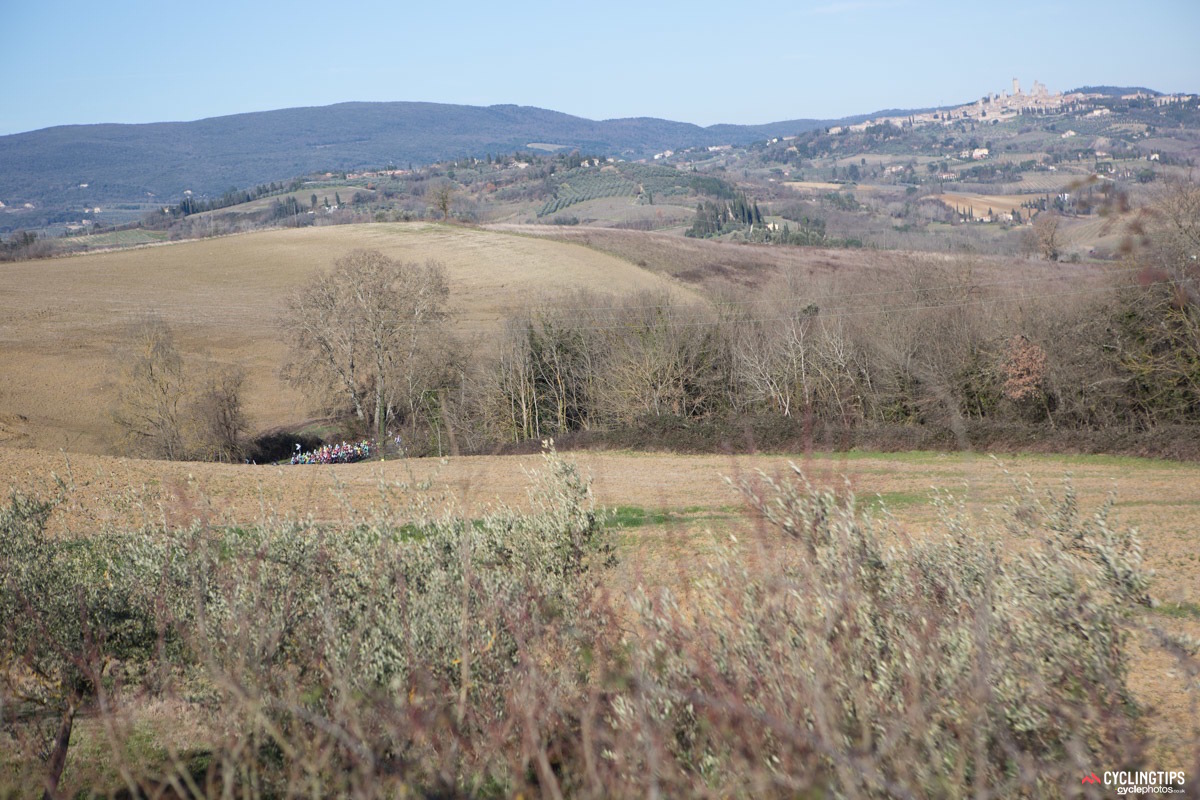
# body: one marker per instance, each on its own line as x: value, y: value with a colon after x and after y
x: 129, y: 169
x: 47, y: 167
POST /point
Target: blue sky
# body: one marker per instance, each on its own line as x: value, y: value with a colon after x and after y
x: 698, y: 61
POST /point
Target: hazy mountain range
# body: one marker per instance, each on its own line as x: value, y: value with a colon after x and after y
x: 49, y: 167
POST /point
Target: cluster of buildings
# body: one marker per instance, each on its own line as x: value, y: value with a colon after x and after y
x: 1006, y: 105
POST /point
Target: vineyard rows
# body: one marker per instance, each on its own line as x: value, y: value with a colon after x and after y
x: 644, y: 180
x: 658, y: 180
x: 581, y: 185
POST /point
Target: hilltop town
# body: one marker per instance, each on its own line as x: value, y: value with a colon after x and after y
x: 1001, y: 106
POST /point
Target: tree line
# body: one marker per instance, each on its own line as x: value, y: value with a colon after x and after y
x: 231, y: 197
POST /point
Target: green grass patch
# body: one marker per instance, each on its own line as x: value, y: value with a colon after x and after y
x: 1065, y: 459
x: 1179, y: 610
x: 1100, y: 460
x: 626, y: 517
x: 127, y: 238
x: 893, y: 500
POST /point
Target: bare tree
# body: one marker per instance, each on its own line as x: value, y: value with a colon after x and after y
x: 1045, y: 235
x: 658, y: 359
x: 508, y: 393
x: 361, y: 336
x: 442, y: 196
x: 927, y: 354
x: 218, y: 421
x: 1171, y: 223
x: 168, y: 408
x: 150, y: 406
x: 1158, y: 325
x: 544, y: 377
x: 774, y: 359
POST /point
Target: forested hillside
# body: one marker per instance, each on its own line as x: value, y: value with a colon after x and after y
x: 128, y: 162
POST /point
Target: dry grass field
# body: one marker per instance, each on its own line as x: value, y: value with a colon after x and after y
x: 814, y: 186
x: 980, y: 203
x: 715, y: 267
x: 62, y: 321
x: 681, y: 505
x: 1091, y: 231
x: 823, y: 187
x: 1049, y: 182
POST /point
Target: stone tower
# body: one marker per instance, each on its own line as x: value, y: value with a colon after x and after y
x: 1016, y: 87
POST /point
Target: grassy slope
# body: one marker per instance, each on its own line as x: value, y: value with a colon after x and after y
x: 61, y: 321
x: 715, y: 265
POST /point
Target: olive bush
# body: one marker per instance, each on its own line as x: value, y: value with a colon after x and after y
x: 337, y: 649
x: 67, y: 625
x: 823, y: 651
x: 842, y: 657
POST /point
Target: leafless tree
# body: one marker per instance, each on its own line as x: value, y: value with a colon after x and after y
x: 150, y: 405
x: 544, y: 379
x: 1045, y: 236
x: 508, y: 393
x: 362, y: 335
x: 168, y: 407
x: 658, y: 359
x: 442, y: 196
x: 1171, y: 225
x: 218, y: 419
x: 774, y: 358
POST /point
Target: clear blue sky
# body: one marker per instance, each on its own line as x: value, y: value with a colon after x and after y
x: 697, y: 61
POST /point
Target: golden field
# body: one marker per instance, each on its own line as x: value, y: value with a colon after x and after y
x: 62, y: 321
x: 980, y: 203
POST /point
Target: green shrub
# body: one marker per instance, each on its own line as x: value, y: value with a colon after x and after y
x: 331, y: 647
x: 850, y: 660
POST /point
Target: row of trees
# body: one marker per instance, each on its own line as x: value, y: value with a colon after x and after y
x: 928, y: 347
x: 232, y: 197
x: 22, y: 245
x: 716, y: 218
